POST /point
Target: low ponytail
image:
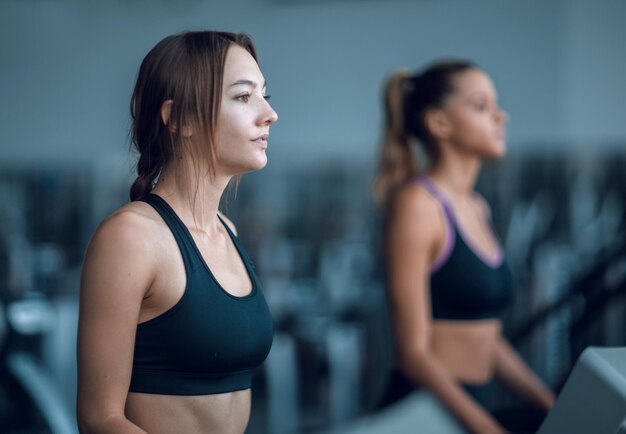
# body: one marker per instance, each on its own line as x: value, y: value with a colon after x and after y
x: 148, y: 169
x: 149, y: 135
x: 397, y: 159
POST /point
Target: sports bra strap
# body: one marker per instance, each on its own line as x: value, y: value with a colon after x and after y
x: 436, y: 192
x: 177, y: 227
x: 244, y: 255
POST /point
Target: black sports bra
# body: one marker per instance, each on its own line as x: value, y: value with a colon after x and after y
x: 210, y: 341
x: 465, y: 285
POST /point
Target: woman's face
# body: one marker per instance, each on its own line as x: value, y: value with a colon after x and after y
x: 477, y: 123
x: 245, y: 116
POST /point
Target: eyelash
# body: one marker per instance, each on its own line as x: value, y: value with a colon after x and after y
x: 246, y: 97
x: 481, y: 106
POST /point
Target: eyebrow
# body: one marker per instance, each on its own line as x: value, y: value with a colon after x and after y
x: 248, y: 83
x: 482, y: 94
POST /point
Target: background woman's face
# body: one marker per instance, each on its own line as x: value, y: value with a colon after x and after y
x: 478, y: 123
x: 245, y: 115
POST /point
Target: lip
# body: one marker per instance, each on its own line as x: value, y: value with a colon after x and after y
x: 262, y: 140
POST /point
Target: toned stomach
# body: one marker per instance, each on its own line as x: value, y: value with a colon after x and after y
x: 467, y: 348
x: 225, y: 413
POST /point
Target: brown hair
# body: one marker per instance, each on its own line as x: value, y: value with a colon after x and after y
x: 407, y: 99
x: 188, y: 69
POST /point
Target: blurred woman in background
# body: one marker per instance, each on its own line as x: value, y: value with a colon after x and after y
x: 172, y: 318
x: 448, y: 281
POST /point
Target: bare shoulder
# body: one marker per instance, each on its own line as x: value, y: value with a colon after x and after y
x: 230, y: 224
x: 125, y: 244
x: 417, y: 205
x: 131, y: 226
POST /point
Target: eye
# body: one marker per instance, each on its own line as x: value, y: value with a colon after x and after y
x: 243, y: 98
x: 267, y: 97
x: 481, y: 106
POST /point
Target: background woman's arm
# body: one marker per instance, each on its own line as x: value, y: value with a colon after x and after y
x: 514, y: 373
x: 510, y: 368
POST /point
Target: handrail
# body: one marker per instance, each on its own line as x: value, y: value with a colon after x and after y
x: 584, y: 286
x: 44, y: 394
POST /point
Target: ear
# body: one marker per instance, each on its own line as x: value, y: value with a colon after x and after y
x: 438, y: 124
x: 166, y: 110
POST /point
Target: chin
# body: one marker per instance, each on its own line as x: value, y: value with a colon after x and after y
x: 497, y: 154
x: 496, y: 151
x: 261, y: 165
x: 262, y: 162
x: 255, y: 165
x: 492, y: 154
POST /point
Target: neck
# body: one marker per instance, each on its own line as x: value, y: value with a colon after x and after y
x: 195, y: 197
x: 456, y: 172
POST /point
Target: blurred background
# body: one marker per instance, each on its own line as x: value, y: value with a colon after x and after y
x: 67, y: 69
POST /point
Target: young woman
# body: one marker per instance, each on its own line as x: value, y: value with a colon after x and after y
x: 447, y: 275
x: 172, y: 318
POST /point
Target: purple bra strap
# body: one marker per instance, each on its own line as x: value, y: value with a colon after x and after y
x: 432, y: 188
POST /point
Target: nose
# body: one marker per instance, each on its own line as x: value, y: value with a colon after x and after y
x: 268, y: 116
x: 501, y: 115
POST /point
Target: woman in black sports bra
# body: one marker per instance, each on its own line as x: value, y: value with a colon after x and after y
x: 172, y: 317
x: 447, y: 275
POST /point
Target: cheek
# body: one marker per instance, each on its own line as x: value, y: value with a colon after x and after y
x: 474, y: 126
x: 229, y: 126
x: 473, y: 132
x: 464, y: 127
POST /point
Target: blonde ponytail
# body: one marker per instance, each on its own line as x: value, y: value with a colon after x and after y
x: 398, y: 161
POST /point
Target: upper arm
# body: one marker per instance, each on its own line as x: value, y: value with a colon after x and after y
x: 230, y: 224
x: 117, y: 272
x: 414, y: 232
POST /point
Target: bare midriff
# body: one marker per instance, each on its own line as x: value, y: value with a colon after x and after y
x: 467, y: 348
x: 224, y: 413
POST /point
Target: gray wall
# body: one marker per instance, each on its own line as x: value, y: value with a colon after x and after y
x: 593, y: 103
x: 67, y: 68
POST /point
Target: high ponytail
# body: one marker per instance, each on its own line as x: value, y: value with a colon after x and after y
x: 397, y: 160
x: 407, y: 99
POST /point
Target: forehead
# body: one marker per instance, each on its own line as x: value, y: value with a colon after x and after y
x: 240, y: 65
x: 473, y: 82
